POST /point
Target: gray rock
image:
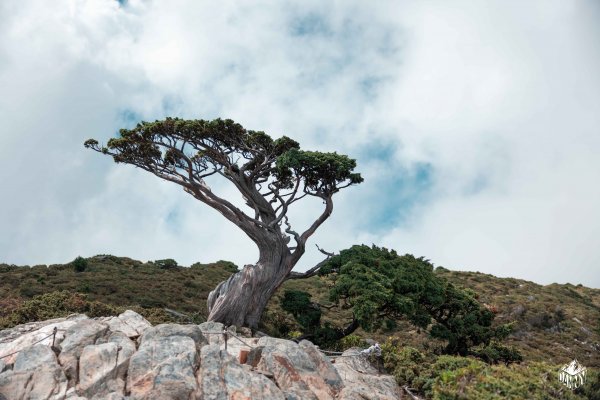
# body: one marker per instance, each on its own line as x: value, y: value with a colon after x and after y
x: 23, y: 336
x: 102, y: 368
x: 210, y: 329
x: 36, y: 375
x: 363, y: 381
x: 163, y: 368
x: 167, y: 330
x: 83, y: 333
x: 135, y: 321
x: 109, y: 396
x: 325, y: 368
x: 294, y: 371
x: 221, y: 377
x: 3, y: 366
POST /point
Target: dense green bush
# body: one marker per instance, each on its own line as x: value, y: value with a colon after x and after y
x: 298, y: 303
x: 167, y: 263
x: 379, y: 285
x: 496, y: 352
x: 79, y: 264
x: 58, y: 304
x: 449, y: 377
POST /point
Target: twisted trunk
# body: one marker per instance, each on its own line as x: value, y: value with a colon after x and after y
x: 241, y: 299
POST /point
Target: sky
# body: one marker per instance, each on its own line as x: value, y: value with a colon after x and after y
x: 474, y: 124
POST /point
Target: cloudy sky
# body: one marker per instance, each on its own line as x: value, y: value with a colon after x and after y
x: 475, y: 124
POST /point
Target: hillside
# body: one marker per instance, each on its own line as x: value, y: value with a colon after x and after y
x: 553, y: 323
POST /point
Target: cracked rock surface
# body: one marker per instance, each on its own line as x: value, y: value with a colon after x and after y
x: 126, y: 358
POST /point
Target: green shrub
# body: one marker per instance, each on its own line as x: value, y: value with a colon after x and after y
x: 79, y: 264
x: 167, y: 263
x: 298, y: 303
x: 350, y: 341
x: 495, y: 353
x: 58, y: 304
x: 591, y: 389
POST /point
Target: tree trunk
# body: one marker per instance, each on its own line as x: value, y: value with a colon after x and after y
x: 241, y: 299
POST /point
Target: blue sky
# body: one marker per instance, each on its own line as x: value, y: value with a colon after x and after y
x: 475, y: 125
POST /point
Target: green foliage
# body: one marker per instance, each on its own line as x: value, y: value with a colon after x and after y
x: 322, y: 172
x: 350, y: 341
x: 455, y: 377
x: 58, y: 304
x: 211, y: 145
x: 376, y: 282
x: 495, y: 353
x: 298, y: 303
x: 227, y: 266
x: 79, y: 264
x: 167, y: 263
x: 591, y: 389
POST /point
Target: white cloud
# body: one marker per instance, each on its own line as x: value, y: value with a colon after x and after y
x: 499, y: 99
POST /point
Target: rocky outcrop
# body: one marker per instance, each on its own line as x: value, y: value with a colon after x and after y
x: 125, y: 358
x: 361, y: 380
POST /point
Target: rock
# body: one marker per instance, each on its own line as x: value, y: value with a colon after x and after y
x: 72, y: 395
x: 294, y: 371
x: 167, y: 330
x: 35, y: 375
x: 254, y: 356
x: 176, y: 362
x: 325, y: 368
x: 211, y: 330
x: 136, y: 321
x: 23, y: 336
x: 130, y: 323
x: 245, y: 332
x: 221, y: 378
x: 109, y: 396
x: 163, y: 368
x: 83, y: 333
x: 362, y: 381
x: 102, y: 367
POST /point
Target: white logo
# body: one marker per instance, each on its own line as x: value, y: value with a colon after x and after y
x: 572, y: 375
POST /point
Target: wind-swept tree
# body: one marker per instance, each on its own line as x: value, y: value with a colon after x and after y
x: 271, y: 175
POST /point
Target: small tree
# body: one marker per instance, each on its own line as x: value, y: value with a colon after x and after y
x: 379, y: 285
x: 271, y: 176
x: 79, y: 264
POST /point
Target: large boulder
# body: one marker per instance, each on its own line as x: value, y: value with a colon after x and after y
x: 297, y: 373
x: 13, y: 340
x: 362, y: 381
x: 129, y: 322
x: 221, y: 377
x: 103, y: 367
x: 83, y: 333
x: 167, y: 330
x: 36, y: 374
x: 164, y: 367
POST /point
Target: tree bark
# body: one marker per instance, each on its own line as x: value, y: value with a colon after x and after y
x: 241, y: 299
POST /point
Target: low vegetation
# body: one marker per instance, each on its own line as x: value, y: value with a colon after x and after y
x: 550, y: 324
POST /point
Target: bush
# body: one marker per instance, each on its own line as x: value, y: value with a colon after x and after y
x: 167, y: 263
x: 495, y: 353
x: 350, y: 341
x: 58, y: 304
x: 79, y: 264
x: 591, y: 389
